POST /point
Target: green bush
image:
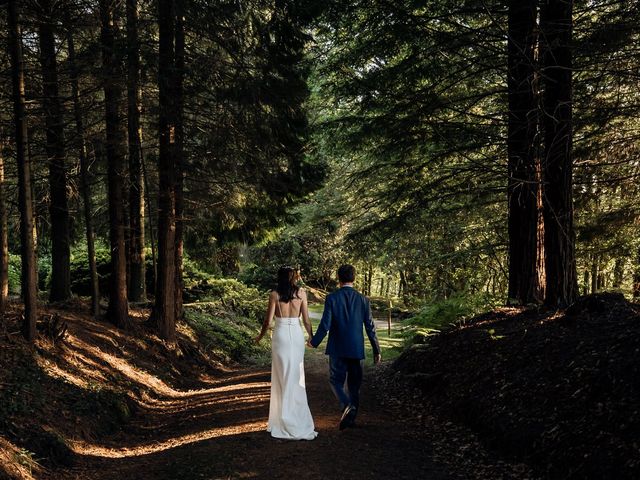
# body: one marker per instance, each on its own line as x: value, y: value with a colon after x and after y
x: 447, y: 313
x: 226, y: 316
x: 192, y: 273
x: 228, y: 338
x: 44, y: 271
x: 15, y: 273
x: 80, y: 273
x: 227, y: 296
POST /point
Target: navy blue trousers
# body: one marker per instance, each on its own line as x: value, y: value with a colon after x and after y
x: 343, y: 369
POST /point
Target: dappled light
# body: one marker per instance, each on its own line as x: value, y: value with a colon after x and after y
x: 296, y: 239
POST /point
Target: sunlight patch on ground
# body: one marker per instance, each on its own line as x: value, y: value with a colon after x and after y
x: 83, y: 448
x: 16, y: 463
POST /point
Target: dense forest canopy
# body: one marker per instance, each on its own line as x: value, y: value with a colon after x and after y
x: 478, y: 148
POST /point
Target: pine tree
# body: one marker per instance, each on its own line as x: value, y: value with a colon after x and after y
x: 116, y: 146
x: 27, y: 244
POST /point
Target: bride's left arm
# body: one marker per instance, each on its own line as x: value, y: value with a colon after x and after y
x: 305, y: 313
x: 271, y: 310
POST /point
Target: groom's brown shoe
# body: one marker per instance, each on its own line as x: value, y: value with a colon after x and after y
x: 348, y: 417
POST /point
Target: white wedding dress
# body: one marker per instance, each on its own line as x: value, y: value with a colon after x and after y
x: 289, y: 414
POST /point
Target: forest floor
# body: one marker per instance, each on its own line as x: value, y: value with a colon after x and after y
x: 559, y: 390
x: 192, y: 421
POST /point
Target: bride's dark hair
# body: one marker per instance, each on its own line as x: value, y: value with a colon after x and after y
x: 287, y: 288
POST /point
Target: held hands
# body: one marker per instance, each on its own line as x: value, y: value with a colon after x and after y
x: 377, y: 359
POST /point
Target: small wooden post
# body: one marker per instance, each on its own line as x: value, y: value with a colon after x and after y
x: 389, y: 319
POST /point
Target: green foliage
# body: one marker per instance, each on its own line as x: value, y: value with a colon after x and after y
x: 226, y: 315
x: 313, y: 251
x: 227, y: 296
x: 193, y: 273
x: 80, y: 273
x: 15, y: 273
x: 44, y: 271
x: 229, y: 338
x: 443, y: 314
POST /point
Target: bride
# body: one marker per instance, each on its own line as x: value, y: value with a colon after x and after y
x: 289, y: 414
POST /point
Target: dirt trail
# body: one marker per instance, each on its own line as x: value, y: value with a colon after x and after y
x: 218, y: 432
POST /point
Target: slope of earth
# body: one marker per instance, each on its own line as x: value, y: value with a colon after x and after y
x: 558, y: 390
x: 103, y: 404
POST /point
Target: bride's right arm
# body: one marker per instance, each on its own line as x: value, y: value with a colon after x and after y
x: 271, y: 310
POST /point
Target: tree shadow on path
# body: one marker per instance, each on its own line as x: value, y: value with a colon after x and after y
x: 218, y: 432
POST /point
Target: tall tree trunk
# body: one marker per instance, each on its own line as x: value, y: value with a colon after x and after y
x: 115, y: 144
x: 137, y: 289
x: 4, y: 239
x: 636, y: 277
x: 84, y: 176
x: 556, y: 24
x: 522, y: 188
x: 179, y: 151
x: 403, y: 286
x: 58, y: 208
x: 618, y: 272
x: 28, y: 254
x: 149, y: 216
x: 585, y: 282
x: 165, y: 311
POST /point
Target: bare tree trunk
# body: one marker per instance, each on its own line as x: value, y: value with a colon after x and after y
x: 403, y: 286
x: 179, y: 152
x: 4, y: 239
x: 24, y: 175
x: 152, y: 237
x: 165, y: 311
x: 84, y: 176
x: 618, y: 272
x: 137, y: 284
x: 118, y: 311
x: 58, y: 208
x: 636, y: 277
x: 522, y: 189
x: 556, y: 24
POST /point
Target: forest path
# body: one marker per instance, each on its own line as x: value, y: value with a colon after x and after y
x: 218, y: 432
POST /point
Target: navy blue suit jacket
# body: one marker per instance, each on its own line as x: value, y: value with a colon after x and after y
x: 345, y: 314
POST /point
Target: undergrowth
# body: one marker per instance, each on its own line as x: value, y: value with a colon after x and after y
x: 440, y: 315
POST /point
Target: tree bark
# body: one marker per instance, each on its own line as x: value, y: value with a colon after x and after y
x: 29, y: 285
x: 4, y: 239
x: 165, y: 311
x: 179, y: 152
x: 522, y: 151
x: 55, y: 147
x: 115, y: 145
x: 556, y: 24
x: 84, y: 176
x: 404, y: 288
x: 636, y: 277
x: 618, y: 272
x: 137, y: 284
x: 149, y: 216
x: 594, y: 273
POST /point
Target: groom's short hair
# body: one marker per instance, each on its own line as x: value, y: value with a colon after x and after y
x: 347, y: 273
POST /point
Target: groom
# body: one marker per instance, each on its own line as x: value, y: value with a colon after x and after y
x: 345, y: 313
